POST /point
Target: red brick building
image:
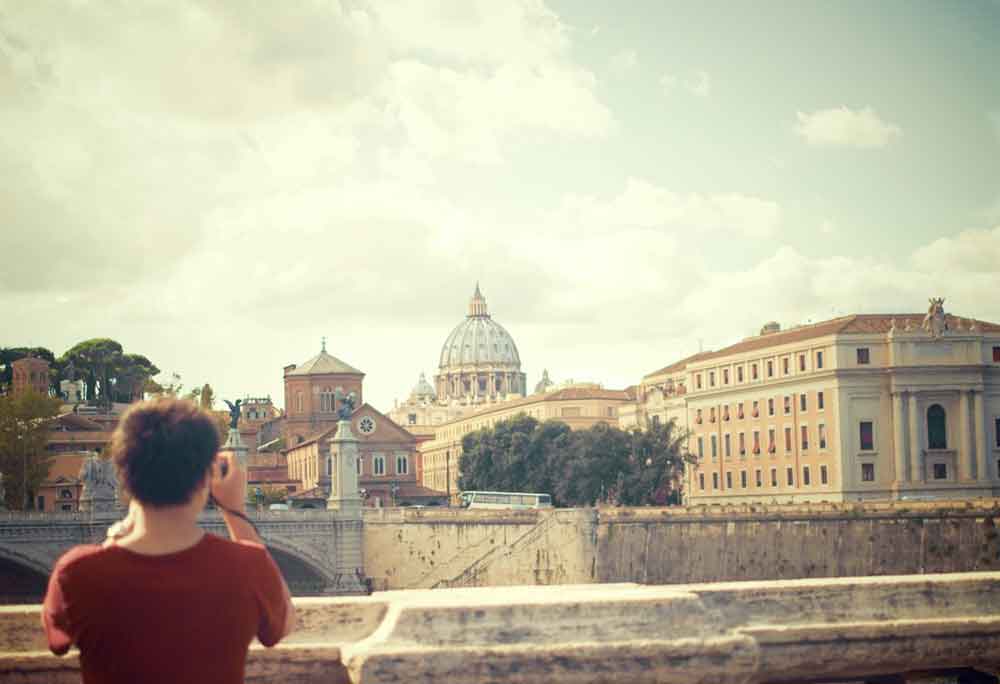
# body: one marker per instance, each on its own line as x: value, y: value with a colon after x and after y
x: 310, y: 395
x: 30, y: 373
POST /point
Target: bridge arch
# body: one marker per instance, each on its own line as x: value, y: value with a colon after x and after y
x: 23, y: 579
x: 304, y: 575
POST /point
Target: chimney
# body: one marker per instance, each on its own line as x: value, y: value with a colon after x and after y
x: 770, y: 327
x: 289, y: 368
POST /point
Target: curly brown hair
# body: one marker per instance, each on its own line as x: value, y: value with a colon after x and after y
x: 162, y: 449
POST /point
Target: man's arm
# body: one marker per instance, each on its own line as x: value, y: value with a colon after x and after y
x: 229, y: 492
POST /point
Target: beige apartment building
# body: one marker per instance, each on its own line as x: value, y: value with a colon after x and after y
x: 902, y: 406
x: 581, y: 406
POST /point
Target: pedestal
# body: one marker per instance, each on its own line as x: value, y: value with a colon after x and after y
x: 345, y: 499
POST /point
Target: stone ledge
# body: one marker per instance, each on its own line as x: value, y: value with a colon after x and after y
x: 791, y: 631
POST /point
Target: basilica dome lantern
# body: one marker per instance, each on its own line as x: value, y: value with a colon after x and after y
x: 479, y: 360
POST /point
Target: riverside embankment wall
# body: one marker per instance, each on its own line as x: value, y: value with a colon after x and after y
x: 425, y: 548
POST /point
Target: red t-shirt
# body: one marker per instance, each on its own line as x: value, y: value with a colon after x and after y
x: 182, y: 617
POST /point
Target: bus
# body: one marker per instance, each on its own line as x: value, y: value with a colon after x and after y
x: 504, y: 500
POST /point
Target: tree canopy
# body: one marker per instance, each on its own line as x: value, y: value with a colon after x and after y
x: 24, y: 462
x: 108, y: 372
x: 579, y: 468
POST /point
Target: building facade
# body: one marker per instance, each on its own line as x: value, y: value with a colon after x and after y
x: 30, y: 374
x: 581, y: 407
x: 861, y: 407
x: 311, y: 392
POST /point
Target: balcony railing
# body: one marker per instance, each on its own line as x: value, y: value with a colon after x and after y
x: 906, y: 628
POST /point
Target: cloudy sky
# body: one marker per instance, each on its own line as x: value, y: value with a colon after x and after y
x: 219, y: 184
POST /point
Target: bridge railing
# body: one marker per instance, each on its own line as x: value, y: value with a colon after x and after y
x: 942, y: 628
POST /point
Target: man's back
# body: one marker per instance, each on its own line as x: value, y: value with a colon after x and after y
x: 181, y: 617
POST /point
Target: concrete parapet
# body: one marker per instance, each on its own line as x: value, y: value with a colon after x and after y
x: 792, y: 631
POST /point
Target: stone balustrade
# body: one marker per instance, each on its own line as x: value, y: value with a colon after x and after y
x: 914, y: 628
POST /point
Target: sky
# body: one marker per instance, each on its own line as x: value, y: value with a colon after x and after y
x: 218, y: 185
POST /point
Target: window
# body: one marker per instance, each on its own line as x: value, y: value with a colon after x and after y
x: 937, y: 430
x: 739, y: 410
x: 402, y: 464
x: 697, y: 381
x: 996, y: 432
x: 65, y: 494
x: 725, y: 376
x: 756, y: 409
x: 802, y: 402
x: 770, y: 441
x: 715, y: 446
x: 788, y: 405
x: 711, y: 415
x: 742, y: 444
x: 743, y: 479
x: 819, y: 359
x: 725, y: 445
x: 378, y: 465
x: 805, y: 476
x: 774, y: 477
x: 298, y: 402
x: 770, y: 369
x: 739, y: 373
x: 784, y: 365
x: 788, y: 439
x: 790, y: 476
x: 67, y: 507
x: 867, y: 472
x: 360, y: 463
x: 823, y: 479
x: 326, y: 400
x: 753, y: 371
x: 758, y: 478
x: 412, y: 418
x: 770, y: 407
x: 821, y: 435
x: 756, y: 441
x: 805, y: 437
x: 867, y: 434
x: 996, y: 354
x: 697, y: 416
x: 701, y: 481
x: 701, y: 447
x: 864, y: 357
x: 802, y: 362
x: 570, y: 412
x: 711, y: 378
x: 41, y: 503
x: 715, y: 480
x: 729, y: 480
x: 940, y: 471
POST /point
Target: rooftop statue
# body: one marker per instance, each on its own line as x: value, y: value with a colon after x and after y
x: 234, y: 413
x: 935, y: 321
x: 347, y: 404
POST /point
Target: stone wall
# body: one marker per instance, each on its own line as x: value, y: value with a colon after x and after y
x: 408, y: 549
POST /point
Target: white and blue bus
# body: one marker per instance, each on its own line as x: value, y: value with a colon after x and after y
x: 504, y: 500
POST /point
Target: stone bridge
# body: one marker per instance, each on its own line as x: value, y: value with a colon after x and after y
x: 319, y: 552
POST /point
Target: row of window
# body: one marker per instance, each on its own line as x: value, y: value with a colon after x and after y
x: 824, y: 478
x: 378, y: 464
x: 755, y: 368
x: 755, y: 446
x: 725, y: 414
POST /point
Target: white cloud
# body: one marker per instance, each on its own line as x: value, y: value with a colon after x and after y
x: 970, y: 252
x: 623, y: 62
x: 828, y: 227
x: 699, y: 84
x: 645, y: 205
x: 844, y: 127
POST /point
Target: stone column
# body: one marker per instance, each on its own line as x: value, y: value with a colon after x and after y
x: 966, y: 457
x: 898, y: 438
x: 345, y: 499
x: 982, y: 465
x: 916, y: 458
x: 344, y: 495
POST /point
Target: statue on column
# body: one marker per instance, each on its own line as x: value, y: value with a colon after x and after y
x: 935, y: 322
x: 100, y: 484
x: 347, y: 403
x: 234, y: 413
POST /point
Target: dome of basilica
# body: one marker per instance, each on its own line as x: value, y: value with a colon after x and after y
x: 423, y: 389
x: 479, y: 341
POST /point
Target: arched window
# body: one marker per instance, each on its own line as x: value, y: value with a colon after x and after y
x: 326, y: 400
x: 937, y: 431
x: 298, y: 402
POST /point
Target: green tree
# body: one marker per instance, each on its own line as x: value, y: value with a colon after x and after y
x: 24, y: 462
x: 132, y: 372
x: 96, y: 359
x: 207, y: 398
x: 656, y: 466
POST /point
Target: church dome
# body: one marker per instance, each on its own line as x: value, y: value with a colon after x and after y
x: 479, y: 341
x: 423, y: 389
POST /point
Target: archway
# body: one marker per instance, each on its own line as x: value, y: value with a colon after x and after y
x: 302, y: 578
x: 21, y: 583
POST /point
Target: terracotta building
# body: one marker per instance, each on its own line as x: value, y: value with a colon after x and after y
x: 581, y: 406
x: 903, y: 406
x: 387, y: 466
x: 30, y: 373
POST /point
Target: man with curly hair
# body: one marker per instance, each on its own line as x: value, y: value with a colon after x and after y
x: 162, y: 600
